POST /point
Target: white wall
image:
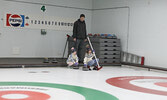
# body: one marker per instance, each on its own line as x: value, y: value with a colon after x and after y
x: 148, y: 27
x: 113, y: 21
x: 30, y: 41
x: 109, y: 3
x: 87, y: 4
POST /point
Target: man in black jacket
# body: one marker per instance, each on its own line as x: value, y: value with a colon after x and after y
x: 80, y: 36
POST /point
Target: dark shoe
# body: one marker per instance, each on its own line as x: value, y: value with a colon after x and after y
x: 95, y: 68
x: 80, y: 62
x: 89, y: 68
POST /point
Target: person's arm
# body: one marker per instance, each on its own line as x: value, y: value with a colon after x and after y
x: 72, y: 59
x: 75, y: 30
x: 93, y: 54
x: 68, y: 59
x: 85, y: 32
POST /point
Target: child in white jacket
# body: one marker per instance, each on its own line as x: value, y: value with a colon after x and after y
x: 89, y: 61
x: 73, y: 59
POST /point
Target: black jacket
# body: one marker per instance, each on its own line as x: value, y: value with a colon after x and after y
x: 79, y: 30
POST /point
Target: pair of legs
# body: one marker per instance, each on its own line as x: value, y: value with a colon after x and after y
x: 72, y: 64
x: 80, y: 48
x: 92, y: 62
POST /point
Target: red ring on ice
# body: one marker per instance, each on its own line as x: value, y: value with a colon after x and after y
x: 162, y: 84
x: 124, y: 82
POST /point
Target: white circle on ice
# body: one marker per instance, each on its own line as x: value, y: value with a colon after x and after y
x: 15, y: 96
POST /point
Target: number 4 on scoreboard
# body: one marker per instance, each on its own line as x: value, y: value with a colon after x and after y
x: 43, y: 8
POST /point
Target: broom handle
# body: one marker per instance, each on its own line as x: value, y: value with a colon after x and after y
x: 94, y: 52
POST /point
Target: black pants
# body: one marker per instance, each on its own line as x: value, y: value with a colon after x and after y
x: 80, y: 48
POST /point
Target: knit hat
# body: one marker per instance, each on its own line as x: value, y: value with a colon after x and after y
x: 88, y: 49
x: 73, y: 50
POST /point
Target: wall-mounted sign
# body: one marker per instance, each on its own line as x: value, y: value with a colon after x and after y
x: 43, y: 8
x: 38, y: 22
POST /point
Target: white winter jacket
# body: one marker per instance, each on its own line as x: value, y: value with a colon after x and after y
x: 88, y: 57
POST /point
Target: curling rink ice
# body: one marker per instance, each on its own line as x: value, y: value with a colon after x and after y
x: 60, y: 83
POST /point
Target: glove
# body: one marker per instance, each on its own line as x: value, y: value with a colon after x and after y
x: 93, y: 51
x: 76, y: 64
x: 85, y: 65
